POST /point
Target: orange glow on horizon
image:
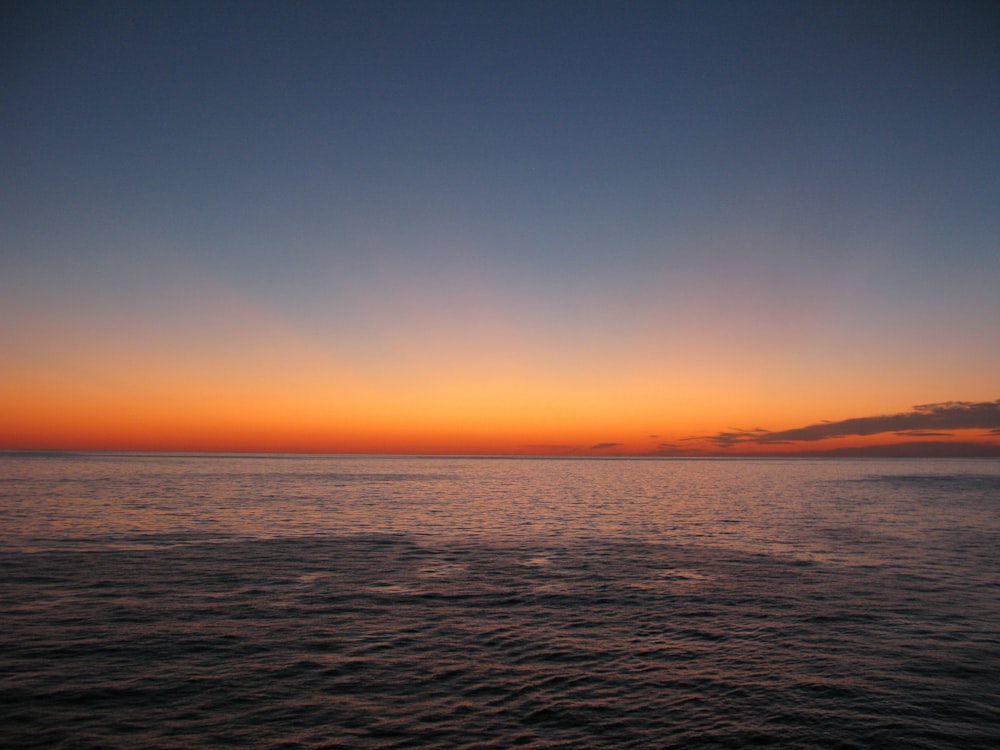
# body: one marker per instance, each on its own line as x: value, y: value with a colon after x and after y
x: 393, y: 427
x: 223, y: 390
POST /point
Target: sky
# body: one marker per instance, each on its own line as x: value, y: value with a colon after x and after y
x: 554, y: 228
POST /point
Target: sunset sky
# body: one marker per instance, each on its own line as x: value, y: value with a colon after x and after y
x: 665, y: 228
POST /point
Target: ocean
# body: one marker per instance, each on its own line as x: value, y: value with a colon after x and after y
x: 169, y: 601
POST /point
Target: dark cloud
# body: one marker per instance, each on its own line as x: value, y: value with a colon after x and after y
x: 736, y: 435
x: 602, y: 446
x: 925, y: 420
x: 923, y: 433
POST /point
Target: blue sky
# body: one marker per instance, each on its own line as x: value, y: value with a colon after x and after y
x: 740, y: 199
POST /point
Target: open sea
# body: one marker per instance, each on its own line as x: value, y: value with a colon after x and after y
x: 166, y: 601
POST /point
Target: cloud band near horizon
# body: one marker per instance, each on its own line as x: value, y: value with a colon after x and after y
x: 923, y: 419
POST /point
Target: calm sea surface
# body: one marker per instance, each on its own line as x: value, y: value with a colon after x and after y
x: 171, y: 601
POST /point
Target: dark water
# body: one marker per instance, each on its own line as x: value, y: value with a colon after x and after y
x: 152, y: 601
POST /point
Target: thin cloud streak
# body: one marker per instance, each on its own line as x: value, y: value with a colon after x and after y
x: 676, y: 450
x: 924, y: 419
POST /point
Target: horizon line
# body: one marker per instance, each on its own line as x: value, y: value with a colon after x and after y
x: 901, y: 450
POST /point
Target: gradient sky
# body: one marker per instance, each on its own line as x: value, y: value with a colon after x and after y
x: 545, y: 227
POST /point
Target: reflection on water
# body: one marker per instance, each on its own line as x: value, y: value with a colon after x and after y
x: 356, y: 602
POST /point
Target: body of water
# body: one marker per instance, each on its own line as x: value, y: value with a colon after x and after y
x: 306, y: 602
